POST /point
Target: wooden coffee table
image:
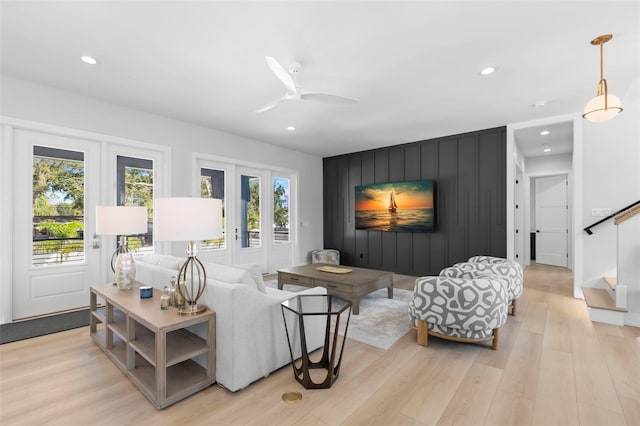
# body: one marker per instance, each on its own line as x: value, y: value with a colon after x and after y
x: 351, y: 286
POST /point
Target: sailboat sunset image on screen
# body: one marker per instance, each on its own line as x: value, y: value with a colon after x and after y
x: 398, y: 206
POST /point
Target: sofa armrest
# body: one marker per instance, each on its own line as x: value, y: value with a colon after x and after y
x: 250, y: 334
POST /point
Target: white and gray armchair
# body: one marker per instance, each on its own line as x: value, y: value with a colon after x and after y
x: 505, y: 268
x: 459, y: 309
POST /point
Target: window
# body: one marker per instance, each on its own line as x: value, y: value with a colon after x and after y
x: 250, y: 211
x: 280, y: 210
x: 212, y: 186
x: 58, y: 206
x: 135, y: 188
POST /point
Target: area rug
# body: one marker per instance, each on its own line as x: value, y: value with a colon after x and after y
x: 381, y: 321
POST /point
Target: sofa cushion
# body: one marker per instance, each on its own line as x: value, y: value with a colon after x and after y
x: 229, y: 274
x: 164, y: 260
x: 256, y: 273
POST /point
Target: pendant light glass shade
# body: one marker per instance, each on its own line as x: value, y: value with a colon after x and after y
x: 597, y: 112
x: 604, y: 106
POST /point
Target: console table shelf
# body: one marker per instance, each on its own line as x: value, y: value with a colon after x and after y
x: 152, y: 347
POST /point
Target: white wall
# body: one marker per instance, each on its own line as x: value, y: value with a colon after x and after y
x: 611, y: 178
x: 29, y: 101
x: 548, y: 163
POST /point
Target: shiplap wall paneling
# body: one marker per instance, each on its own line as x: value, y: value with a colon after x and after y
x: 469, y: 174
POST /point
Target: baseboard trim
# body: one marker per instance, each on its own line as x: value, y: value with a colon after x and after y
x: 606, y: 316
x: 20, y: 330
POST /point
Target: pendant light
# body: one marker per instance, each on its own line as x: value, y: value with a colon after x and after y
x: 604, y: 106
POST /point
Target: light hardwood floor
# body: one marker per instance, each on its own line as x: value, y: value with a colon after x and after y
x: 554, y: 367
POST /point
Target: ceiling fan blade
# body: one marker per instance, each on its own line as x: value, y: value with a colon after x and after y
x: 268, y: 106
x: 281, y: 73
x: 327, y: 98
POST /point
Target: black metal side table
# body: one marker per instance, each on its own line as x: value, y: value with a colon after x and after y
x: 309, y: 310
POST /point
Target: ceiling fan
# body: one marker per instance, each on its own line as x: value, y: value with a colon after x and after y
x: 295, y: 92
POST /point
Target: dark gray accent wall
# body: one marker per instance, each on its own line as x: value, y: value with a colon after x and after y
x: 469, y: 173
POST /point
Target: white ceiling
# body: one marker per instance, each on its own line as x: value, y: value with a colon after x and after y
x: 532, y: 144
x: 414, y: 66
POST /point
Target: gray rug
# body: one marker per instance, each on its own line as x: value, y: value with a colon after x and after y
x: 381, y: 321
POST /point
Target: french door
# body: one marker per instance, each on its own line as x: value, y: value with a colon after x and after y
x: 257, y: 214
x: 251, y: 239
x: 55, y: 258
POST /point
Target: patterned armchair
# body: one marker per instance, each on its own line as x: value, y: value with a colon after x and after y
x: 329, y: 256
x: 459, y: 309
x: 506, y: 268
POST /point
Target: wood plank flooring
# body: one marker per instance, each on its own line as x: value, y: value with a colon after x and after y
x: 554, y: 367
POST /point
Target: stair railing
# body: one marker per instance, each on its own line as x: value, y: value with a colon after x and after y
x: 588, y: 228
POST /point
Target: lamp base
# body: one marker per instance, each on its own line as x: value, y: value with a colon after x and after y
x: 191, y: 310
x: 125, y: 271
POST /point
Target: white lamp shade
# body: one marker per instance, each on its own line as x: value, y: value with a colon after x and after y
x: 594, y: 110
x: 187, y: 219
x: 121, y: 220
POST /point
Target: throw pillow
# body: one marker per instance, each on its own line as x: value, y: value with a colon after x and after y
x: 164, y: 260
x: 256, y: 273
x: 229, y: 274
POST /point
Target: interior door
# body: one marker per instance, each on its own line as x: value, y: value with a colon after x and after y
x: 251, y: 236
x: 551, y: 220
x: 519, y: 237
x: 56, y: 190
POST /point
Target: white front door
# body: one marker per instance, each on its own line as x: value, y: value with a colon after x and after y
x: 551, y: 220
x: 55, y: 194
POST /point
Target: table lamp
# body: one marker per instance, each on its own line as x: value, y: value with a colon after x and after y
x: 189, y: 219
x: 122, y: 221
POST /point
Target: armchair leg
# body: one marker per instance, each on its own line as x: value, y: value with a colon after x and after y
x: 423, y: 333
x: 494, y: 345
x: 513, y: 308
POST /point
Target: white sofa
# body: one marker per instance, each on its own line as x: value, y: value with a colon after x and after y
x: 251, y: 341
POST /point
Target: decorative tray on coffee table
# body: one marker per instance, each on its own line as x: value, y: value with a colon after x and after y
x: 334, y: 269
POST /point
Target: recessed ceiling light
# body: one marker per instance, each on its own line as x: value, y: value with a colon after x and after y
x: 291, y: 128
x: 547, y: 150
x: 488, y: 70
x: 544, y: 132
x: 88, y: 60
x: 540, y: 104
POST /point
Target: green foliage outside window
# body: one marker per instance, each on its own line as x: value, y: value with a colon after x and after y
x: 62, y: 179
x: 61, y: 243
x: 280, y: 206
x: 253, y: 211
x: 134, y: 243
x: 139, y: 189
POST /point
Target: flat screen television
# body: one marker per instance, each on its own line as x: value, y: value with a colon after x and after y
x: 396, y: 206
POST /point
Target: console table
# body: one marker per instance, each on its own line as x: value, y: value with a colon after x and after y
x: 152, y: 346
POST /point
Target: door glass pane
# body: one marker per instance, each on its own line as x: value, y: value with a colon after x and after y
x: 250, y: 211
x: 212, y: 186
x: 58, y: 206
x: 280, y: 210
x: 135, y: 188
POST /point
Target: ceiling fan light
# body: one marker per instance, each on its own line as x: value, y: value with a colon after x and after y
x: 596, y: 112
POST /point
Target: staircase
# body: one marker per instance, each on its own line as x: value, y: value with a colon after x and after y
x: 618, y: 301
